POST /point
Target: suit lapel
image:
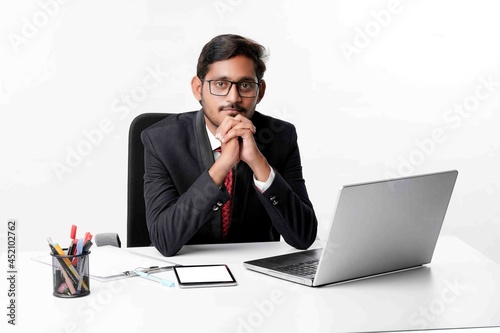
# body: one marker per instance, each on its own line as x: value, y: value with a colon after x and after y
x: 206, y: 160
x: 205, y: 154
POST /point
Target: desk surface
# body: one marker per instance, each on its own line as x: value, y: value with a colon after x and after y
x: 461, y: 288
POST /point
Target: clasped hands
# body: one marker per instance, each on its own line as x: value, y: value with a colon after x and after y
x: 236, y: 135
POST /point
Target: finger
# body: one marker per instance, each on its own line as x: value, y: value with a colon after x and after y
x: 230, y: 152
x: 230, y: 148
x: 235, y: 132
x: 227, y: 124
x: 244, y: 120
x: 245, y: 124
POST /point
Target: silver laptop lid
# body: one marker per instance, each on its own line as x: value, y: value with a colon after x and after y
x: 385, y: 226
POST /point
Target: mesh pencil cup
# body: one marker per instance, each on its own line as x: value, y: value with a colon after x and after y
x: 70, y: 275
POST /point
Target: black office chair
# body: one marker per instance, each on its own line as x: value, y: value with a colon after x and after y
x: 137, y: 230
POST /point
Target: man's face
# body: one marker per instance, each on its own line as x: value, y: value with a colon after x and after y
x: 236, y: 69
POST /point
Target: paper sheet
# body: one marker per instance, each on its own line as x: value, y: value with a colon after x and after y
x: 108, y: 263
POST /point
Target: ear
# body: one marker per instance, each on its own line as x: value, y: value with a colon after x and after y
x: 262, y: 91
x: 196, y: 87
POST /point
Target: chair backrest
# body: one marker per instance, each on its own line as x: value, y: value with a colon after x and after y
x: 137, y: 230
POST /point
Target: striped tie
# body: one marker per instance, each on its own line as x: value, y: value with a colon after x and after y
x: 226, y: 208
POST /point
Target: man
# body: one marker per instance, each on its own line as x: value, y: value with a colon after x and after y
x: 187, y: 178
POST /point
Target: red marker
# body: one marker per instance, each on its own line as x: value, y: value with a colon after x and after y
x: 73, y: 232
x: 88, y: 236
x: 72, y: 245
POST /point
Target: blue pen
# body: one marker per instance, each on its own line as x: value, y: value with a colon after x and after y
x: 164, y: 282
x: 79, y: 246
x: 80, y: 264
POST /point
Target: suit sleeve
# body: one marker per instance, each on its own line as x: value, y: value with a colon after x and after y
x: 173, y: 219
x: 287, y: 202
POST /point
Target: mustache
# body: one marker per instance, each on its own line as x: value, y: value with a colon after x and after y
x: 236, y: 107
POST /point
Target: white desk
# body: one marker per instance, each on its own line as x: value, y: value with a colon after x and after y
x: 461, y: 288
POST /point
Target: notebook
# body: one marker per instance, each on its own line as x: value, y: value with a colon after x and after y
x: 378, y: 227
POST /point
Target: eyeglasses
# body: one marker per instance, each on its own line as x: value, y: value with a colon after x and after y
x: 223, y: 87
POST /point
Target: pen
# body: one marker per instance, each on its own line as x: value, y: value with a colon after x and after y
x: 87, y: 237
x: 87, y: 246
x: 78, y: 251
x: 164, y: 282
x: 72, y: 235
x: 151, y: 269
x: 69, y: 281
x: 79, y: 247
x: 80, y: 265
x: 67, y: 262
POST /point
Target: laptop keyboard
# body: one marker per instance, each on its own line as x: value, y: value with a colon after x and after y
x: 301, y: 269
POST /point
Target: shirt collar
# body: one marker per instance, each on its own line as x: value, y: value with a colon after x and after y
x: 214, y: 143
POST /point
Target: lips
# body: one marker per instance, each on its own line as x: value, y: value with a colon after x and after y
x: 231, y: 112
x: 232, y: 109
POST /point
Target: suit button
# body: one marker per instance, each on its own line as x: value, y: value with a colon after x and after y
x: 274, y: 199
x: 217, y: 206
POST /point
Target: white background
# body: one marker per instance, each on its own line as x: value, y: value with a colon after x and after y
x: 375, y: 89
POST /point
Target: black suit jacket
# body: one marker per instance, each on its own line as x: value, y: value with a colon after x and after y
x: 182, y: 201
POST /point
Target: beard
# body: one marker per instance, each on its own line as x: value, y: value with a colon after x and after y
x: 211, y: 117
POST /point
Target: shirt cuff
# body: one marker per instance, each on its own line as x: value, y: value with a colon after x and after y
x: 263, y: 186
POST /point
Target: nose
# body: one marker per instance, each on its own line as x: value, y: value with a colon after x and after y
x: 233, y: 95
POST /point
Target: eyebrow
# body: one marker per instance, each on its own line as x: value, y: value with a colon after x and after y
x: 243, y: 79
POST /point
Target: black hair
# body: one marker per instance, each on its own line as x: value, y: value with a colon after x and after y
x: 227, y: 46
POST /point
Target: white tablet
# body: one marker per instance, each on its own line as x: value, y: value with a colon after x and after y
x: 204, y: 276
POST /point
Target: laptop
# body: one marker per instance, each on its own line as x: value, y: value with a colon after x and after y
x: 378, y: 227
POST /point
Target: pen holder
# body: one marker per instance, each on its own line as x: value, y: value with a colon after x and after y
x: 70, y: 275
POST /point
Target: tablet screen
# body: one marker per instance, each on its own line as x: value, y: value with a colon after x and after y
x: 204, y: 275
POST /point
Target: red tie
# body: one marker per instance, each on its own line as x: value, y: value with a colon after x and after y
x: 226, y: 208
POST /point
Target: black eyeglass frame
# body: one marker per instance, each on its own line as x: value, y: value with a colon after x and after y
x: 237, y: 87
